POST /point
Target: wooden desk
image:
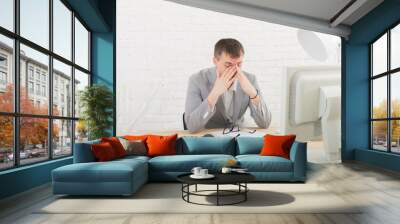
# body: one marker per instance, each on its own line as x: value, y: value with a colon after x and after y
x: 215, y: 132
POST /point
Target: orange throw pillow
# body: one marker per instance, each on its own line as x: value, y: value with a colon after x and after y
x: 277, y: 145
x: 103, y: 152
x: 161, y: 145
x: 116, y: 145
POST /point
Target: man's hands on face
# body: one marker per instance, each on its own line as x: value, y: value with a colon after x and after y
x: 223, y: 82
x: 244, y: 82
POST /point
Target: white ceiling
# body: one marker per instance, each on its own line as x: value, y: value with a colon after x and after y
x: 315, y: 15
x: 320, y: 9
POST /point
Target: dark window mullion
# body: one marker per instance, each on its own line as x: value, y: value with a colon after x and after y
x: 385, y: 73
x: 7, y: 33
x: 47, y: 116
x: 380, y: 75
x: 16, y: 84
x: 84, y: 70
x: 89, y: 54
x: 389, y: 101
x: 50, y: 77
x: 386, y: 119
x: 371, y: 99
x: 73, y: 82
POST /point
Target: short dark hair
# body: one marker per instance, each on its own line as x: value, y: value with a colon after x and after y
x: 230, y: 46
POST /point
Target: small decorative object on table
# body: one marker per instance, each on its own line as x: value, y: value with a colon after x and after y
x: 237, y: 170
x: 226, y: 170
x: 231, y: 165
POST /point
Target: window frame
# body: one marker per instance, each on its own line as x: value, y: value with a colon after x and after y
x: 388, y: 74
x: 16, y: 114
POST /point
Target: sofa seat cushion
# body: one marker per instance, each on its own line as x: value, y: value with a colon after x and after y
x: 185, y: 163
x: 257, y: 163
x: 112, y: 171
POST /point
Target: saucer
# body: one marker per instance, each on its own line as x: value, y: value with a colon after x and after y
x: 208, y: 176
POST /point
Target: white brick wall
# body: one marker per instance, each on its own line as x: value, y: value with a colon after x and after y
x: 160, y: 44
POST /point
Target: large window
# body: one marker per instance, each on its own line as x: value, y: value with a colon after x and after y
x: 44, y: 64
x: 385, y: 91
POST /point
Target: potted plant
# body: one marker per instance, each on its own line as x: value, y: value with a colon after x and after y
x: 96, y: 102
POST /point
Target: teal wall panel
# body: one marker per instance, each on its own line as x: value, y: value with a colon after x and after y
x: 102, y: 58
x: 103, y: 63
x: 24, y: 178
x: 355, y: 79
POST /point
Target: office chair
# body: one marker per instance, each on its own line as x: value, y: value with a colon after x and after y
x: 184, y: 123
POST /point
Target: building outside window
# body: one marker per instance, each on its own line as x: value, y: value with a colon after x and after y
x: 43, y: 90
x: 30, y: 87
x: 3, y: 78
x: 43, y: 77
x: 55, y: 97
x: 30, y: 72
x: 37, y: 74
x: 3, y: 61
x: 3, y: 72
x: 38, y: 89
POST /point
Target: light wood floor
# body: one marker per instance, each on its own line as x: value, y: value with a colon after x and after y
x: 378, y: 188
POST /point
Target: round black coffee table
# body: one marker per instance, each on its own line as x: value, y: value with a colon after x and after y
x: 238, y: 179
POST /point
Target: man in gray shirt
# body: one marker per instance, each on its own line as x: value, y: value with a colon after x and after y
x: 218, y: 97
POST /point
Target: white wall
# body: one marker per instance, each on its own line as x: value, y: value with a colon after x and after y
x: 160, y: 44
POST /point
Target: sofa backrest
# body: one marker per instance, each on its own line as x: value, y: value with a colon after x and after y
x: 249, y: 145
x: 83, y: 152
x: 192, y: 145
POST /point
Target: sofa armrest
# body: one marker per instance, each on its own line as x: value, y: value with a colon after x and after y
x: 298, y: 155
x: 83, y: 152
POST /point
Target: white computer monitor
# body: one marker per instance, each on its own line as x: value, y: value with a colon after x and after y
x: 311, y: 105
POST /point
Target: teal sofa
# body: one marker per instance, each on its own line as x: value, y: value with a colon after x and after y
x: 125, y: 176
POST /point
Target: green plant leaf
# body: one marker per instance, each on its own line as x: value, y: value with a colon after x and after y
x: 96, y: 102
